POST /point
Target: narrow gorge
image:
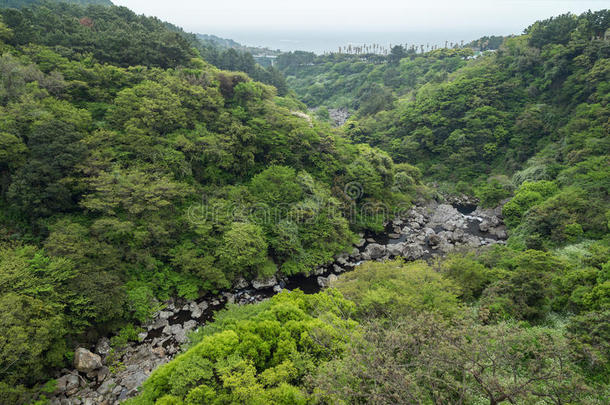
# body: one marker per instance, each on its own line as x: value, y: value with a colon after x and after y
x: 426, y: 232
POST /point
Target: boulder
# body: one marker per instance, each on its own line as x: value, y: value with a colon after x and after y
x: 158, y: 324
x: 85, y: 361
x: 413, y: 251
x: 395, y: 249
x: 375, y: 251
x: 484, y: 226
x: 326, y: 282
x: 133, y: 381
x: 434, y: 240
x: 241, y: 284
x: 196, y: 310
x: 67, y: 384
x: 103, y: 346
x: 106, y: 387
x: 189, y: 325
x: 261, y: 284
x: 102, y: 373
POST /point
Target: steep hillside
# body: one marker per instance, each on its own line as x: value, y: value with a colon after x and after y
x: 535, y: 111
x: 118, y: 36
x: 124, y: 183
x: 523, y: 323
x: 367, y: 83
x: 135, y: 175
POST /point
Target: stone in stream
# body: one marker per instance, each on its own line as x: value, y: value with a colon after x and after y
x: 266, y: 283
x: 241, y: 284
x: 395, y: 249
x: 142, y: 358
x: 375, y: 251
x: 325, y: 282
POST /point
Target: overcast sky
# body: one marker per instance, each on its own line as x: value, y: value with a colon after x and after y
x: 243, y: 19
x: 367, y: 15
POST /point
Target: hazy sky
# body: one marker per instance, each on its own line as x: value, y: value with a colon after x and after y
x: 240, y: 18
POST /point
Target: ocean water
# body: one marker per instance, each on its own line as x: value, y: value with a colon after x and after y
x: 330, y: 41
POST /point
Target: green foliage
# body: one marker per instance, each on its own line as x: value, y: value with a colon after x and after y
x: 366, y: 83
x: 244, y: 248
x: 36, y: 295
x: 491, y: 193
x: 257, y: 354
x: 395, y: 289
x: 111, y: 131
x: 528, y: 195
x: 425, y: 359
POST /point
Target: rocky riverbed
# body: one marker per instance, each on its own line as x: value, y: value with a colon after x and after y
x: 424, y: 232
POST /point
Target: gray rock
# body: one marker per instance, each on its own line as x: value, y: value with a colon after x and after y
x: 102, y: 373
x: 117, y: 390
x: 394, y: 235
x: 434, y: 240
x: 277, y: 289
x: 164, y: 314
x: 326, y: 282
x: 230, y: 298
x: 338, y: 269
x: 262, y: 284
x: 179, y: 334
x: 103, y: 346
x: 413, y: 251
x: 85, y: 361
x: 395, y: 249
x: 360, y: 243
x: 342, y: 260
x: 142, y: 336
x: 67, y: 383
x: 158, y: 324
x: 106, y: 387
x: 375, y: 251
x: 189, y: 325
x: 241, y: 284
x: 133, y: 381
x: 484, y: 226
x: 443, y: 214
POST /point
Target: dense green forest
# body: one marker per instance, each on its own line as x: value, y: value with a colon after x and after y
x: 109, y: 139
x: 367, y: 82
x: 135, y: 167
x: 118, y: 36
